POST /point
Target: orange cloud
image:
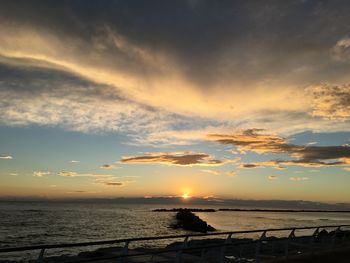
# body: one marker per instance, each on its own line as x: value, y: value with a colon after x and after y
x: 252, y: 140
x: 309, y: 155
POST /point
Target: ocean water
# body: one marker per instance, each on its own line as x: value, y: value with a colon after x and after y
x: 25, y: 223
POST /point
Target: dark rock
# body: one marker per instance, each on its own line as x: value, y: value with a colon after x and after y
x: 189, y: 221
x: 189, y: 209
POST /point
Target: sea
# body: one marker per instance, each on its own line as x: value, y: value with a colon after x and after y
x: 37, y: 223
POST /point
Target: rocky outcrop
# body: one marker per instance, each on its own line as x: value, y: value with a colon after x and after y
x: 189, y: 221
x: 210, y: 210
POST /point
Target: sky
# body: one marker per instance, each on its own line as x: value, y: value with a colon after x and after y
x: 208, y: 99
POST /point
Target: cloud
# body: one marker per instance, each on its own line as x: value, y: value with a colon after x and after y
x: 68, y: 174
x: 309, y: 155
x: 148, y: 60
x: 341, y: 50
x: 346, y: 168
x: 231, y: 173
x: 74, y: 161
x: 249, y: 165
x: 101, y: 179
x: 6, y: 157
x: 213, y: 172
x: 176, y: 158
x: 272, y: 177
x: 75, y: 174
x: 311, y: 143
x: 40, y: 173
x: 108, y: 166
x: 294, y: 178
x: 52, y: 97
x: 252, y: 140
x: 330, y: 101
x: 111, y: 183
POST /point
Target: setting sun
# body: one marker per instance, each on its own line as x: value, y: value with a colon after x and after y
x: 185, y: 196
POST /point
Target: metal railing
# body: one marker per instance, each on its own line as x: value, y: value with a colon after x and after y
x: 287, y: 242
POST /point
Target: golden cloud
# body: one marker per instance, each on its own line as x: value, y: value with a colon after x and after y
x: 330, y: 101
x: 252, y: 140
x: 309, y: 155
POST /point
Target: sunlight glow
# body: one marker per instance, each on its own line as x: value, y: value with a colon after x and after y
x: 185, y: 196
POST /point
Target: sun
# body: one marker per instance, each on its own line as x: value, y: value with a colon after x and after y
x: 185, y: 196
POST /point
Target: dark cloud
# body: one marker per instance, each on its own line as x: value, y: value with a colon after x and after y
x: 93, y: 66
x: 113, y: 183
x: 108, y: 166
x: 210, y: 39
x: 180, y: 158
x: 110, y: 181
x: 249, y: 165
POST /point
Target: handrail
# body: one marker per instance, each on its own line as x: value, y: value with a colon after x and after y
x: 127, y: 240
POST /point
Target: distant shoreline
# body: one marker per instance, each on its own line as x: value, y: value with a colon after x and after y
x: 211, y: 210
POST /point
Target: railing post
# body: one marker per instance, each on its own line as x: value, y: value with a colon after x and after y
x: 228, y: 239
x: 344, y: 236
x: 179, y: 253
x: 258, y: 245
x: 41, y: 255
x: 223, y: 249
x: 125, y: 251
x: 334, y: 237
x: 312, y: 240
x: 257, y: 251
x: 202, y: 255
x: 241, y: 251
x: 292, y: 234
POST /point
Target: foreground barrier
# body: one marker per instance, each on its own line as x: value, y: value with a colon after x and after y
x: 222, y: 250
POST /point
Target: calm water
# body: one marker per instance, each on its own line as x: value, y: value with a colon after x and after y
x: 24, y: 224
